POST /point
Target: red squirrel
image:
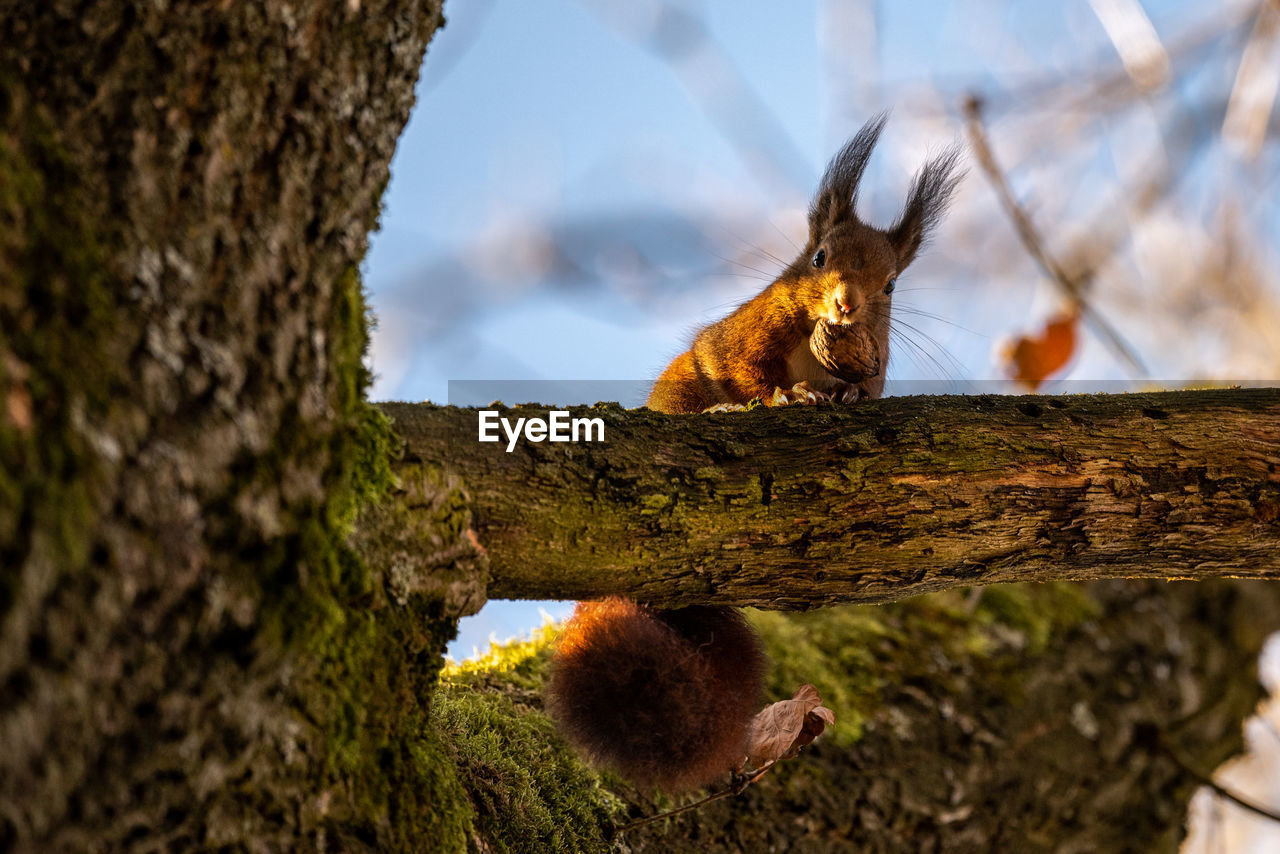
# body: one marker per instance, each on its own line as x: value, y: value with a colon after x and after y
x: 665, y: 697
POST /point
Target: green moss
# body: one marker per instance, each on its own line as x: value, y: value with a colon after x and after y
x: 368, y: 445
x: 518, y: 663
x: 851, y: 653
x: 1037, y: 611
x: 654, y: 502
x: 375, y: 662
x: 528, y: 790
x: 527, y: 787
x: 370, y: 663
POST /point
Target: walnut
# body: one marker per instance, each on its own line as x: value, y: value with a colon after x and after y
x: 848, y: 352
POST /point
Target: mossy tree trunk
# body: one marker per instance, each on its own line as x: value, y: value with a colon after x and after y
x: 190, y: 655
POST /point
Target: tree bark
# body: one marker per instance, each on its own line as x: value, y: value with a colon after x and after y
x: 190, y: 656
x: 795, y: 508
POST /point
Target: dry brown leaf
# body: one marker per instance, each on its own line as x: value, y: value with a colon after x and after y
x: 1031, y: 360
x: 779, y: 730
x: 18, y: 408
x: 18, y: 404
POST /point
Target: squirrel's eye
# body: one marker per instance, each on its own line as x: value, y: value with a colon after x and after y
x: 888, y: 289
x: 820, y: 258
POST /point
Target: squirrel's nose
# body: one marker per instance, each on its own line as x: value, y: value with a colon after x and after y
x: 844, y: 307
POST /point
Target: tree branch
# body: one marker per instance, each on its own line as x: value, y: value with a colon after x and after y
x: 800, y: 507
x: 1206, y: 779
x: 1074, y: 287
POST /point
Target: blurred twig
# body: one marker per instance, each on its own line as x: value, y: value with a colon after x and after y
x: 682, y: 40
x: 1257, y: 80
x: 463, y: 33
x: 1206, y: 780
x: 1183, y: 134
x: 1085, y: 87
x: 739, y: 783
x: 1082, y: 89
x: 1135, y: 38
x: 1072, y: 287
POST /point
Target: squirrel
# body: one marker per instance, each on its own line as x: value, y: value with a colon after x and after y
x: 665, y: 697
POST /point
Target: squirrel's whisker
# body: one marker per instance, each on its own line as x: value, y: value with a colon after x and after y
x: 912, y: 310
x: 952, y: 371
x: 768, y: 277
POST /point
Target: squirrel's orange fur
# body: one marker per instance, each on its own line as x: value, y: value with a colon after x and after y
x: 665, y: 697
x: 763, y: 346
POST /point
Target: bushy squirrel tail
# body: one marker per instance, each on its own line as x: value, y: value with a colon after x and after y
x: 663, y: 698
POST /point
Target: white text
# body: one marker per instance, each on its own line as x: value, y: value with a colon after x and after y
x: 556, y: 427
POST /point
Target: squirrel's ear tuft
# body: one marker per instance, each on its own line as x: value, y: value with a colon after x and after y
x: 837, y: 195
x: 931, y: 191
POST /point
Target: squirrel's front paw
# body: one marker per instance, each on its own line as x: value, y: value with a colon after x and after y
x: 846, y: 393
x: 801, y: 393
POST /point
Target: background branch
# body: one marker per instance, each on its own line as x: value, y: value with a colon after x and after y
x: 1072, y: 287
